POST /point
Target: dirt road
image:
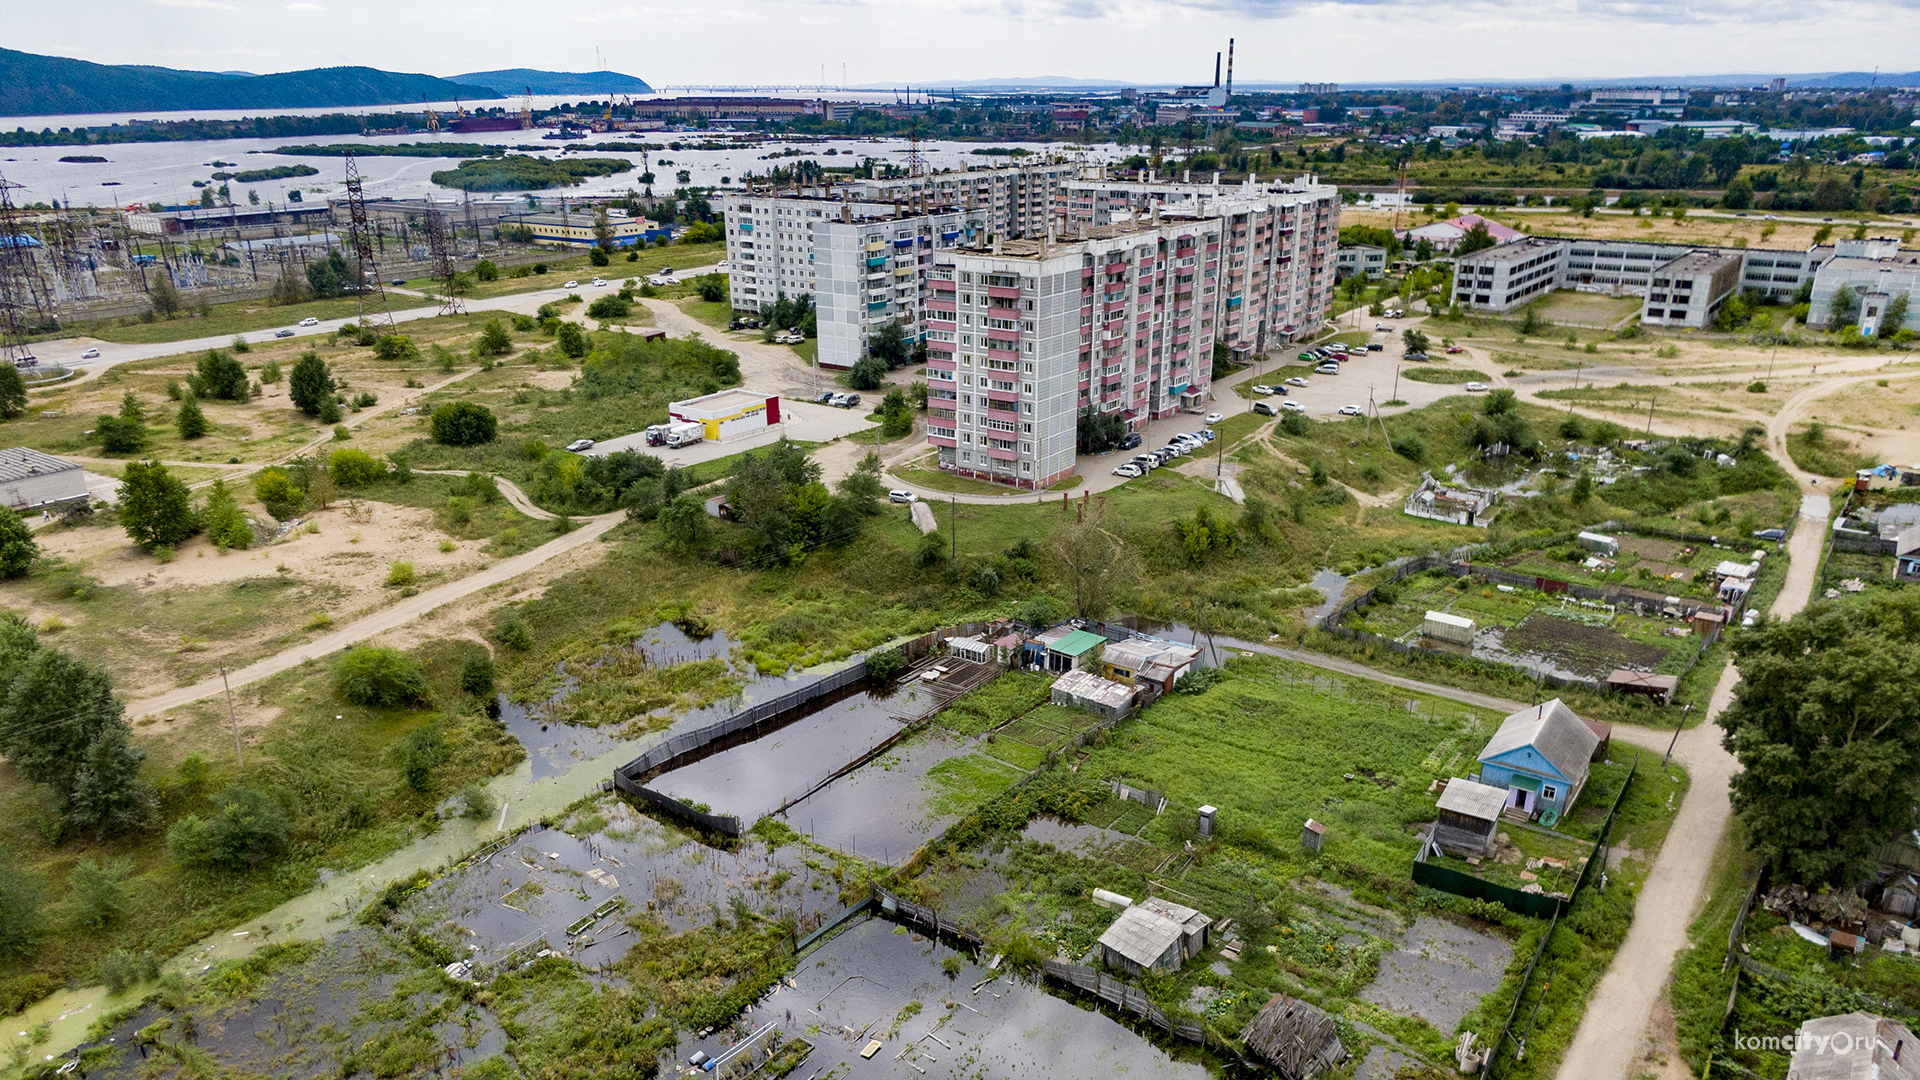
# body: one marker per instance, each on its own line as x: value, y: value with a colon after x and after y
x: 590, y: 530
x: 1614, y: 1034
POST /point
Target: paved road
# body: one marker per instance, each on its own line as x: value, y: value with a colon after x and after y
x: 1615, y: 1030
x: 379, y: 622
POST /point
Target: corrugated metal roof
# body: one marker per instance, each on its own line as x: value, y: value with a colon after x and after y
x: 1086, y: 686
x: 1553, y: 730
x: 1188, y: 918
x: 1871, y: 1042
x: 1472, y: 799
x: 1141, y: 935
x: 20, y: 462
x: 1446, y: 619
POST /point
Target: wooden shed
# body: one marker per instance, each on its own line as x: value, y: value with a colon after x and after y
x: 1469, y: 815
x: 1644, y: 683
x: 1298, y: 1040
x: 1448, y: 627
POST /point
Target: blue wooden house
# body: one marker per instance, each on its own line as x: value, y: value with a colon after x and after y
x: 1540, y: 756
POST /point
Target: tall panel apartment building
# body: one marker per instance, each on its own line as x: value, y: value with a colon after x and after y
x: 1024, y: 335
x: 1280, y: 241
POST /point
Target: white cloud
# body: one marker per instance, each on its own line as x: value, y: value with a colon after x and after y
x: 305, y: 7
x: 212, y: 5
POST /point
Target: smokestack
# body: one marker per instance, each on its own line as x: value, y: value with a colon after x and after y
x: 1229, y: 67
x: 1216, y: 69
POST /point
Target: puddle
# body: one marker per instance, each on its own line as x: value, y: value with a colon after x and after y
x: 1439, y: 972
x: 1333, y: 586
x: 858, y: 986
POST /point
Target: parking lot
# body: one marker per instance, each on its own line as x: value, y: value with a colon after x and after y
x: 801, y: 421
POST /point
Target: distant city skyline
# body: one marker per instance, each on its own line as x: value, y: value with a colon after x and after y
x: 909, y: 42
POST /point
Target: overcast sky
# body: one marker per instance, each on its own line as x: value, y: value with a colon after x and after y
x: 920, y: 42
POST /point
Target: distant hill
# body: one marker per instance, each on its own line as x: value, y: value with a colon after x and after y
x: 512, y: 82
x: 33, y: 85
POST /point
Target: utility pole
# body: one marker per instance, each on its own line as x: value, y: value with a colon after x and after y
x: 953, y: 527
x: 232, y: 722
x: 1649, y: 418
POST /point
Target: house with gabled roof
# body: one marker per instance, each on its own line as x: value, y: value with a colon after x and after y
x: 1540, y: 755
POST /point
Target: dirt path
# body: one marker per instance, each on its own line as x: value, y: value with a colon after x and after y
x: 515, y: 497
x: 590, y: 530
x: 1616, y: 1030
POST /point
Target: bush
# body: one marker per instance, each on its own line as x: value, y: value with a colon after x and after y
x: 121, y: 970
x: 249, y: 829
x: 476, y: 803
x: 379, y: 676
x: 610, y: 307
x: 395, y: 347
x: 464, y: 423
x: 1293, y: 423
x: 400, y: 573
x: 354, y: 468
x: 310, y: 385
x: 511, y: 630
x: 886, y: 666
x: 476, y: 675
x: 18, y: 548
x: 278, y: 493
x: 572, y: 340
x: 1757, y: 386
x: 494, y: 340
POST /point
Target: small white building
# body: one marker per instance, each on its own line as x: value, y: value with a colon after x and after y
x: 1448, y: 627
x: 1085, y: 690
x: 31, y: 480
x: 1595, y: 542
x: 970, y: 648
x: 729, y: 414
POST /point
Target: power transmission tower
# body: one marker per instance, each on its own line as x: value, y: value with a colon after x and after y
x: 23, y: 293
x: 366, y: 268
x: 441, y: 244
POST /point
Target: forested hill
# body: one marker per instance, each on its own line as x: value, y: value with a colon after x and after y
x: 34, y: 85
x: 511, y: 82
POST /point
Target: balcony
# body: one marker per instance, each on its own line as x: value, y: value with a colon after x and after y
x: 1012, y: 396
x: 1003, y: 455
x: 945, y: 306
x: 1002, y: 292
x: 942, y: 285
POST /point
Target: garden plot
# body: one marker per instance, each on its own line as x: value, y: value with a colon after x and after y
x: 1439, y: 972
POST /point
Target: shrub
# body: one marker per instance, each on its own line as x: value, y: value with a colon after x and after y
x: 379, y: 676
x: 476, y: 803
x: 494, y: 340
x: 278, y: 493
x: 354, y: 468
x: 464, y: 423
x: 476, y: 675
x: 400, y: 573
x: 395, y: 347
x: 311, y: 384
x: 610, y: 307
x: 342, y: 433
x: 511, y: 630
x: 886, y: 666
x: 249, y: 829
x: 18, y: 548
x: 1757, y: 386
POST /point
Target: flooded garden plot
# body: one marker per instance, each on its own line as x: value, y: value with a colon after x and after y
x: 1540, y: 632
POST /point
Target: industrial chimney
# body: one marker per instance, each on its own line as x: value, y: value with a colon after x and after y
x: 1229, y: 69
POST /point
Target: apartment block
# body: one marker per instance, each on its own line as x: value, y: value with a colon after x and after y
x: 1278, y: 267
x: 1025, y: 335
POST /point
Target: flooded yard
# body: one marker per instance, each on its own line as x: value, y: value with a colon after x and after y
x: 1439, y: 972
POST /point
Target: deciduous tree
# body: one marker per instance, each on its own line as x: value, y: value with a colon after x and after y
x: 155, y: 507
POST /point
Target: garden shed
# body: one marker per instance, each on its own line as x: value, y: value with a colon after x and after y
x: 1901, y: 896
x: 1448, y: 627
x: 1152, y: 935
x: 1085, y: 690
x: 970, y: 648
x: 1298, y: 1040
x: 1469, y: 815
x: 1644, y: 683
x: 1073, y: 651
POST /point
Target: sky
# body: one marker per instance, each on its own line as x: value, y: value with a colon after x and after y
x: 922, y: 42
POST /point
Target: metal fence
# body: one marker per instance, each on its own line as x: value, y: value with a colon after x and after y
x: 671, y: 752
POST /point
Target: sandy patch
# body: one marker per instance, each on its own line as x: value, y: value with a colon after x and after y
x: 352, y: 548
x: 550, y: 380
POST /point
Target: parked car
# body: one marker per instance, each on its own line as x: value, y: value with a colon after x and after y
x: 1775, y: 535
x: 309, y: 321
x: 1454, y: 350
x: 91, y: 354
x: 826, y: 397
x: 744, y: 324
x: 1296, y: 381
x: 1205, y: 434
x: 1132, y: 441
x: 1128, y: 470
x: 1265, y: 408
x: 1476, y: 388
x: 1214, y: 418
x: 571, y: 285
x: 276, y: 333
x: 1307, y: 357
x: 578, y: 445
x: 1380, y: 326
x: 902, y: 496
x: 399, y: 281
x: 837, y: 399
x: 1349, y: 410
x: 1374, y: 346
x: 1416, y: 356
x: 1327, y: 369
x: 851, y: 401
x: 720, y: 267
x: 658, y: 280
x: 666, y: 271
x: 1293, y: 406
x: 1264, y: 390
